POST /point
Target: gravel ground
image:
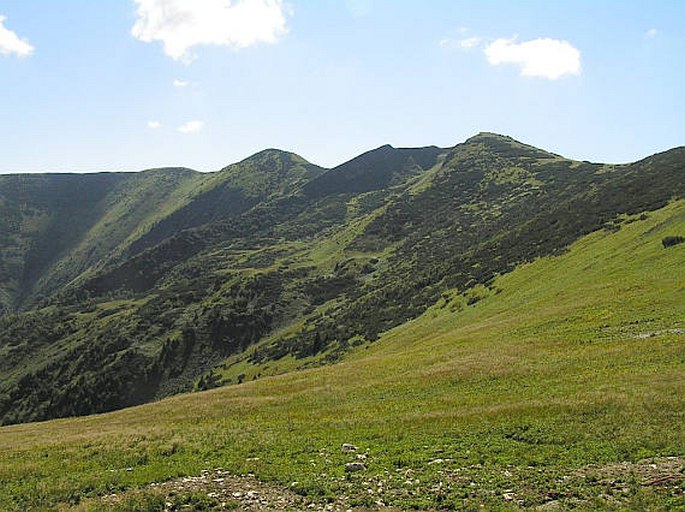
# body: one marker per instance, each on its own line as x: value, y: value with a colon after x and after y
x: 245, y: 494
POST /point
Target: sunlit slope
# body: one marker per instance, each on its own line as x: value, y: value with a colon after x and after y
x: 568, y: 361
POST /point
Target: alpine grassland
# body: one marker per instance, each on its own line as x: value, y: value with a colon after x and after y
x: 559, y: 385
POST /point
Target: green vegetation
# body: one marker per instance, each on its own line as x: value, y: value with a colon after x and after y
x: 121, y: 289
x: 561, y: 386
x: 172, y: 272
x: 669, y: 241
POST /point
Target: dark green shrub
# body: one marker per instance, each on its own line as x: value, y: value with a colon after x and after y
x: 672, y: 240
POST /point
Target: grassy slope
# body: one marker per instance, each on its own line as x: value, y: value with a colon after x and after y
x: 578, y: 360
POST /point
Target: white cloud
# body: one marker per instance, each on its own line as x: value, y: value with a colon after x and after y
x: 468, y: 43
x: 544, y: 57
x: 463, y: 44
x: 180, y: 84
x: 183, y: 24
x: 11, y: 43
x: 651, y: 33
x: 153, y: 124
x: 191, y: 126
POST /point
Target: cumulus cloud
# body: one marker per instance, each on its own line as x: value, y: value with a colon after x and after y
x: 153, y: 124
x: 191, y: 126
x: 182, y: 24
x: 11, y: 43
x: 180, y: 84
x: 544, y: 57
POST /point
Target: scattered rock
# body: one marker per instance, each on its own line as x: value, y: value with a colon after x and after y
x: 509, y: 496
x: 550, y: 505
x: 650, y: 471
x: 351, y: 467
x: 247, y: 494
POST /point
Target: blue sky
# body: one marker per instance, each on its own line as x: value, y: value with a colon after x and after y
x: 128, y: 85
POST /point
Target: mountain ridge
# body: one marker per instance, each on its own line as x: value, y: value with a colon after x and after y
x: 188, y: 280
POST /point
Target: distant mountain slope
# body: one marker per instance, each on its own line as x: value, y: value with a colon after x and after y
x: 493, y: 203
x: 43, y: 216
x: 58, y: 228
x: 287, y: 209
x: 174, y: 279
x: 373, y: 170
x: 235, y: 189
x: 130, y: 208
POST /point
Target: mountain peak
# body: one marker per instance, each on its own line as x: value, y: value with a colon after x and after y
x: 269, y: 154
x: 272, y: 161
x: 489, y: 136
x: 506, y: 145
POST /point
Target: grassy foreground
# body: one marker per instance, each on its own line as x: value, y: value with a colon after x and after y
x: 548, y: 391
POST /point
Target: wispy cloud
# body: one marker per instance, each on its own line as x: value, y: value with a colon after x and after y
x: 11, y: 43
x: 651, y: 33
x: 153, y: 124
x: 469, y: 42
x: 466, y: 43
x: 463, y: 42
x: 182, y: 24
x: 544, y: 57
x: 191, y: 126
x: 180, y: 84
